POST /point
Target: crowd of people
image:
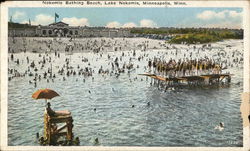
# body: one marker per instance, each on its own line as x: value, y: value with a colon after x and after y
x: 39, y: 45
x: 184, y: 62
x: 180, y: 68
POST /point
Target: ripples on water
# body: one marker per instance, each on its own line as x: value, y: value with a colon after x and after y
x: 181, y: 117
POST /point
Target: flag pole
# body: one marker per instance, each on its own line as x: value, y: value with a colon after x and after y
x: 56, y: 16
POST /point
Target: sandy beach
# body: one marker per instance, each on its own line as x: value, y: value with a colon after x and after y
x: 34, y: 44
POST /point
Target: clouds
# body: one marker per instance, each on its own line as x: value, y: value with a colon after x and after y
x: 234, y: 14
x: 73, y: 21
x: 222, y: 19
x: 18, y: 15
x: 129, y: 25
x: 147, y: 23
x: 43, y: 19
x: 190, y: 17
x: 113, y: 24
x: 143, y: 23
x: 208, y: 15
x: 116, y: 24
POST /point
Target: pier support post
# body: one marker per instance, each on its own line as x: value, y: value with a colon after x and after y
x: 52, y: 132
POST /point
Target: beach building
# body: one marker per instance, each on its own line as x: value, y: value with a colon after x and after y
x: 61, y: 29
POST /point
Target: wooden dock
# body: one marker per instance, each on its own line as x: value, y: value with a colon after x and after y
x: 205, y: 79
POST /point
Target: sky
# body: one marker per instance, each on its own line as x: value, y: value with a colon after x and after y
x: 132, y: 17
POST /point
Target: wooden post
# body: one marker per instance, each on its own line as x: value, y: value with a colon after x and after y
x: 69, y: 129
x: 46, y: 126
x: 51, y: 134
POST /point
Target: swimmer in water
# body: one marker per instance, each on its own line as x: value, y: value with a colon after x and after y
x: 96, y: 141
x: 220, y: 127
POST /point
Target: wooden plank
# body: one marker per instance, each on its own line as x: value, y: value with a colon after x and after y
x: 60, y: 119
x: 187, y: 78
x: 216, y: 75
x: 147, y: 74
x: 159, y: 78
x: 61, y: 128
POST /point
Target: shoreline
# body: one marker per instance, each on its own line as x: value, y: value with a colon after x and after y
x: 97, y: 44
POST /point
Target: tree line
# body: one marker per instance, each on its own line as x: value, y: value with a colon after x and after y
x: 193, y: 35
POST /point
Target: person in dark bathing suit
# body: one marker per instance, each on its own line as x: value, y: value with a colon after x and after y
x: 50, y: 112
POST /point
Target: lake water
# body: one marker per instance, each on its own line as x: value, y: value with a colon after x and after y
x: 177, y: 117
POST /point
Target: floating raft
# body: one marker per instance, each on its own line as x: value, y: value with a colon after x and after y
x: 202, y: 78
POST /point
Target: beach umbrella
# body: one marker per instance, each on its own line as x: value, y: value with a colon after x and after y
x: 44, y: 94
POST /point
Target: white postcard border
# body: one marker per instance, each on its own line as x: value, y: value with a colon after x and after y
x: 4, y: 69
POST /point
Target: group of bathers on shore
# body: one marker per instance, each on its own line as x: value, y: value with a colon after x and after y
x: 195, y: 67
x: 23, y: 44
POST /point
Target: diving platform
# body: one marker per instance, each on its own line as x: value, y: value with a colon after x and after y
x: 201, y: 79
